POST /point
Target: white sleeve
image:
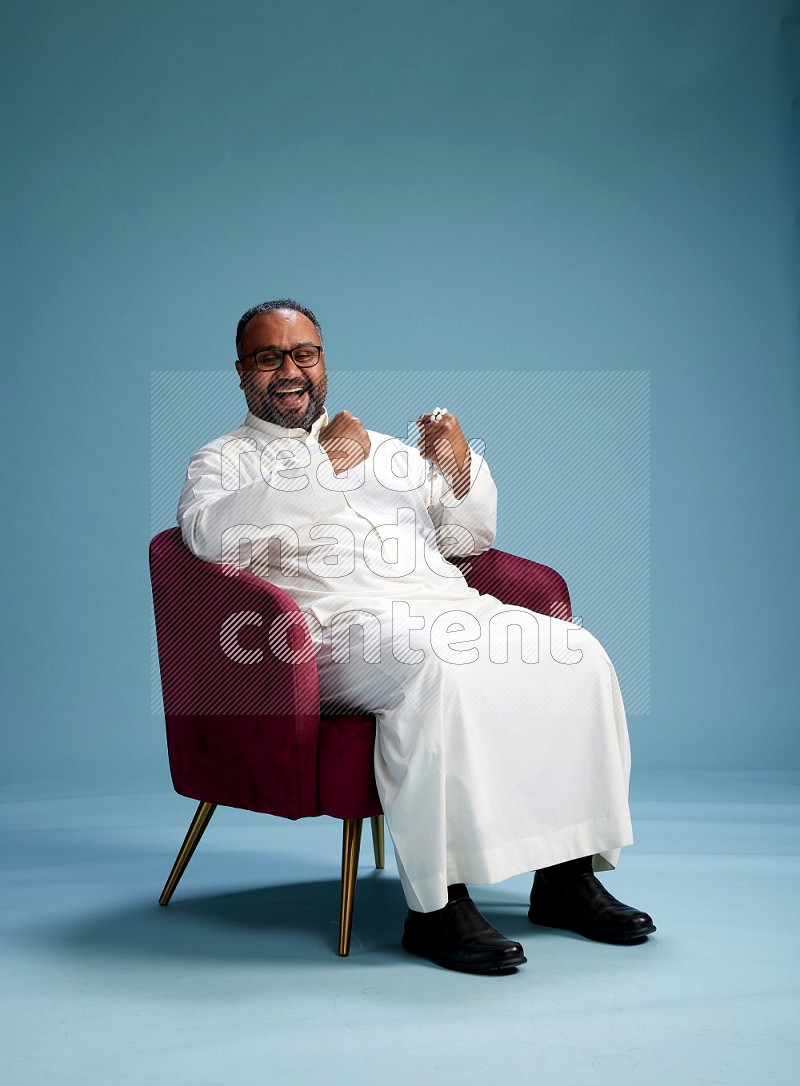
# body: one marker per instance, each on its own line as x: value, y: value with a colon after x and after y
x: 467, y: 525
x: 229, y: 486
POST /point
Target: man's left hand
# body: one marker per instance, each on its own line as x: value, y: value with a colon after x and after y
x: 444, y: 443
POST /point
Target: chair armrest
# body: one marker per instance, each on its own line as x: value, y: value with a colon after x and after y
x: 242, y: 724
x: 518, y: 582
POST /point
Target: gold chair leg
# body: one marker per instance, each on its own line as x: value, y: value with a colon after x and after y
x: 196, y: 830
x: 351, y: 846
x: 377, y: 842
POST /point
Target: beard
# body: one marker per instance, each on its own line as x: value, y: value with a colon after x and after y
x: 266, y: 405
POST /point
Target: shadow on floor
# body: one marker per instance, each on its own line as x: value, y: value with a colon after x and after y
x: 296, y: 922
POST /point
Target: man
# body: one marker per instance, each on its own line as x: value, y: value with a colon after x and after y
x: 489, y: 761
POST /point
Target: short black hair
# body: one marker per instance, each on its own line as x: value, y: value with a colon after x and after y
x: 268, y: 307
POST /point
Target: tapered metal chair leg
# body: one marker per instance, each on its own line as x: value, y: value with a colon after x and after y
x: 196, y: 830
x: 377, y: 842
x: 351, y: 846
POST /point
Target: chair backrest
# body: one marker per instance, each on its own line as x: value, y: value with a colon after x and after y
x: 242, y: 722
x: 518, y: 582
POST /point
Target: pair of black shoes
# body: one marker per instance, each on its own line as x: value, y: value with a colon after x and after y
x: 564, y: 896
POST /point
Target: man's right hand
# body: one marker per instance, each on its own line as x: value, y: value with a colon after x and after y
x: 345, y: 441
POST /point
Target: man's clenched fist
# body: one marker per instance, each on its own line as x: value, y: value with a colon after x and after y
x: 345, y: 441
x: 444, y: 443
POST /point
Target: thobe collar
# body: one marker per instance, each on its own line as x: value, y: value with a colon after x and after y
x: 273, y: 430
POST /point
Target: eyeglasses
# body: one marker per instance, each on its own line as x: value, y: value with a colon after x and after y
x: 271, y: 358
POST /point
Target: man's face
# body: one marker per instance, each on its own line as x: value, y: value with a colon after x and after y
x: 271, y: 395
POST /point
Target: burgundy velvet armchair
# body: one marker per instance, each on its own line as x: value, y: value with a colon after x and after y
x: 243, y: 717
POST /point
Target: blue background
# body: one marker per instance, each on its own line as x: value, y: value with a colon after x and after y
x: 558, y: 186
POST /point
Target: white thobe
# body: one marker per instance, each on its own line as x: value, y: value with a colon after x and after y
x: 502, y: 743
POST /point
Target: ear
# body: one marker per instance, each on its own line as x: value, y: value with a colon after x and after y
x: 240, y: 370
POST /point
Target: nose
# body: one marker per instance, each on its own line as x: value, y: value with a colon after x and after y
x: 288, y: 368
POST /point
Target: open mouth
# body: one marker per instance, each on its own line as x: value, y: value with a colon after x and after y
x: 290, y: 397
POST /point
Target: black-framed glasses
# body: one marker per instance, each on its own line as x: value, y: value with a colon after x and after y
x: 271, y: 358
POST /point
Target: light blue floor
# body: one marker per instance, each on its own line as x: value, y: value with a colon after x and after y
x: 238, y: 980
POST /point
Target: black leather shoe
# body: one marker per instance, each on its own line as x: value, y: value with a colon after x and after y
x: 569, y: 896
x: 458, y: 937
